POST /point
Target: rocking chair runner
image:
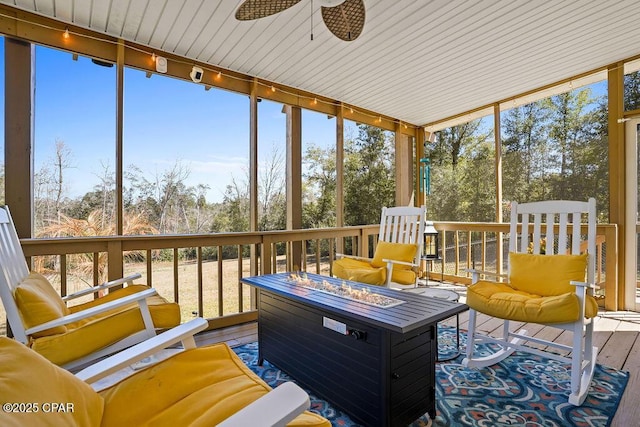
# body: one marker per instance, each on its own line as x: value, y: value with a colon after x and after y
x: 543, y: 287
x: 73, y: 336
x: 397, y: 253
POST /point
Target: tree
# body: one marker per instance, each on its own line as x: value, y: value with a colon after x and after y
x: 462, y: 174
x: 271, y: 192
x: 369, y: 181
x: 524, y: 152
x: 319, y: 192
x: 49, y: 185
x: 632, y: 91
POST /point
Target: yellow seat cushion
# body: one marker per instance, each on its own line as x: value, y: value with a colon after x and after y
x: 88, y: 337
x: 27, y: 377
x: 78, y: 339
x: 359, y: 271
x: 546, y: 274
x: 165, y: 314
x: 404, y: 252
x: 38, y: 302
x: 502, y: 301
x: 200, y: 387
x: 375, y: 271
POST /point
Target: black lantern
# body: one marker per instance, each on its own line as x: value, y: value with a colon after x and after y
x: 430, y: 248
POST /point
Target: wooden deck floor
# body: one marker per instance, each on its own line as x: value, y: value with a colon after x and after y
x: 616, y: 336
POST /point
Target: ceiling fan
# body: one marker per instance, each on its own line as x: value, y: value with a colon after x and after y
x: 344, y: 18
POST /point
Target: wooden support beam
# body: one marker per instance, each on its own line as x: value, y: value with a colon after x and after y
x: 340, y: 174
x: 498, y: 172
x: 617, y: 172
x: 253, y: 173
x: 419, y: 191
x: 19, y: 107
x: 294, y: 179
x: 403, y: 166
x: 119, y: 138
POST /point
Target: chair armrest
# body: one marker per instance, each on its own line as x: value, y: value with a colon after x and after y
x: 475, y: 274
x: 138, y: 296
x: 128, y: 280
x: 353, y: 256
x: 585, y: 284
x: 393, y: 261
x: 183, y: 333
x: 276, y: 408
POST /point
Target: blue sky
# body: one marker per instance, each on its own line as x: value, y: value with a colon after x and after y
x: 165, y: 120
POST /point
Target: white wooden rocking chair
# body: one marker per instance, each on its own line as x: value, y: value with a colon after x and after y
x: 397, y: 254
x: 544, y: 286
x: 204, y: 386
x: 71, y: 337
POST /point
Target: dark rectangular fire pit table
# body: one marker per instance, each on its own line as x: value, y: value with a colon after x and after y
x: 375, y: 363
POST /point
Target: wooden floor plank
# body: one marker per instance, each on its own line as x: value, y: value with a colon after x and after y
x: 615, y: 352
x: 628, y: 412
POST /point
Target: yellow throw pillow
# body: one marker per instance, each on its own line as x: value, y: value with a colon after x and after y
x: 49, y: 395
x: 38, y: 302
x: 396, y: 251
x: 546, y: 275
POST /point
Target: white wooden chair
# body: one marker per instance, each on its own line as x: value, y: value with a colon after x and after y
x: 228, y: 394
x: 397, y: 255
x: 71, y: 337
x: 544, y: 285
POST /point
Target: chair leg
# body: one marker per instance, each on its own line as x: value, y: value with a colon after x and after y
x: 583, y: 363
x: 470, y: 336
x: 505, y: 351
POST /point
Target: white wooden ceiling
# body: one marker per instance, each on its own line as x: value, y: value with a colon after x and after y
x: 418, y: 61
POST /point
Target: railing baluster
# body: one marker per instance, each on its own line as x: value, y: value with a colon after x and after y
x: 63, y: 275
x: 96, y: 272
x: 220, y: 284
x: 199, y: 281
x: 176, y: 288
x: 149, y: 268
x: 456, y: 267
x: 240, y: 275
x: 483, y: 250
x: 470, y: 257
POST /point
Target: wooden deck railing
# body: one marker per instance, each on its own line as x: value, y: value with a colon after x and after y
x: 212, y: 289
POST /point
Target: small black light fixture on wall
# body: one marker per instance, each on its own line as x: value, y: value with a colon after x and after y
x: 431, y: 247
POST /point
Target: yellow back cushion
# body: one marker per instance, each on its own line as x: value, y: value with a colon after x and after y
x: 26, y: 377
x: 546, y: 275
x: 38, y: 302
x: 396, y: 251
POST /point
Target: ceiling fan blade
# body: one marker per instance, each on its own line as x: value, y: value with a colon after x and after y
x: 346, y: 20
x: 254, y: 9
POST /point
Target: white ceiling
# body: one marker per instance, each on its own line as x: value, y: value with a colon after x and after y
x: 417, y: 61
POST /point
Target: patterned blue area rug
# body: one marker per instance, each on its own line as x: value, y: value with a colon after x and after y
x: 523, y: 390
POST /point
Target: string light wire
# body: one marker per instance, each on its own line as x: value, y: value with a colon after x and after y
x: 219, y: 73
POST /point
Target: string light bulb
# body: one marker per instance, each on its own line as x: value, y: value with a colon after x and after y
x: 153, y: 57
x: 351, y: 110
x: 219, y: 76
x: 66, y: 34
x: 315, y: 101
x: 273, y: 88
